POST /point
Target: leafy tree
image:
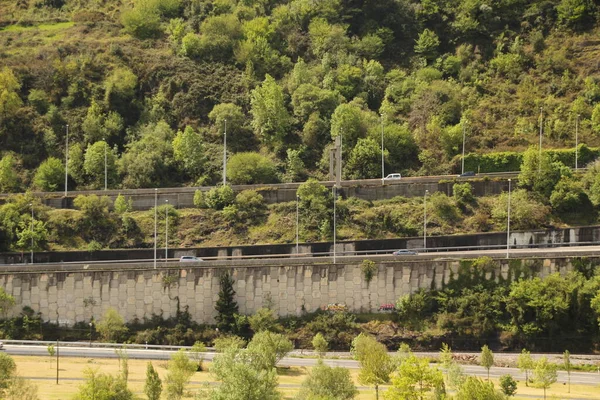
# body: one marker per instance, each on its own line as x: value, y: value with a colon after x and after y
x: 196, y: 354
x: 567, y: 366
x: 427, y: 44
x: 263, y: 320
x: 153, y: 385
x: 476, y: 389
x: 525, y: 211
x: 374, y: 360
x: 9, y: 180
x: 226, y: 305
x: 328, y: 383
x: 7, y: 302
x: 320, y: 344
x: 99, y: 386
x: 241, y: 377
x: 540, y: 178
x: 525, y: 364
x: 462, y: 193
x: 314, y: 208
x: 9, y: 96
x: 122, y: 205
x: 217, y: 198
x: 223, y: 343
x: 414, y: 379
x: 141, y: 22
x: 8, y: 368
x: 269, y: 348
x: 112, y: 326
x: 365, y: 160
x: 94, y: 164
x: 50, y: 175
x: 573, y: 12
x: 35, y: 233
x: 308, y: 99
x: 568, y: 196
x: 544, y: 374
x: 97, y: 222
x: 295, y: 170
x: 189, y: 151
x: 327, y: 38
x: 270, y: 118
x: 238, y: 135
x: 180, y: 370
x: 508, y: 385
x: 21, y: 389
x: 251, y: 168
x: 486, y: 359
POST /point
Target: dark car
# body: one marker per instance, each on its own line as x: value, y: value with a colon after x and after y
x: 405, y: 252
x: 467, y: 173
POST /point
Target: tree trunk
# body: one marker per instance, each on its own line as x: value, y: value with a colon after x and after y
x: 377, y: 392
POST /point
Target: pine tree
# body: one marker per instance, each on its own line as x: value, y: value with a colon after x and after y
x: 226, y: 306
x: 153, y: 387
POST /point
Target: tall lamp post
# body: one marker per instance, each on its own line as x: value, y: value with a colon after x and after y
x: 67, y: 162
x: 382, y: 164
x: 31, y: 205
x: 297, y: 223
x: 334, y: 222
x: 425, y: 219
x: 508, y: 222
x: 462, y: 171
x: 167, y: 232
x: 225, y: 154
x: 155, y: 223
x: 541, y: 133
x: 576, y: 141
x: 105, y: 167
x: 91, y: 324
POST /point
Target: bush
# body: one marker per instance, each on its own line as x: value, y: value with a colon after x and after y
x: 525, y: 213
x: 50, y: 175
x: 462, y: 193
x: 217, y: 198
x: 568, y: 196
x: 143, y: 23
x: 251, y: 168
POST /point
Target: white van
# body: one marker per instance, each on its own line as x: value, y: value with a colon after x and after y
x: 393, y: 176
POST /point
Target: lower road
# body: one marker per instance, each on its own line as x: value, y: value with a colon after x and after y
x: 577, y: 378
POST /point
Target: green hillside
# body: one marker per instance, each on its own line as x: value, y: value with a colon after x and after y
x: 152, y: 82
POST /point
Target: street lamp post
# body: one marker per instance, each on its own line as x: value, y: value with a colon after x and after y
x: 297, y: 224
x: 425, y: 219
x: 67, y: 162
x: 31, y: 205
x: 167, y: 232
x: 541, y: 133
x: 334, y: 227
x: 155, y: 223
x: 105, y: 167
x: 382, y: 165
x: 508, y: 222
x: 462, y: 171
x: 576, y: 142
x: 225, y: 154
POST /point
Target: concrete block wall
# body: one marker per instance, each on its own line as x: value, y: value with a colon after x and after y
x: 68, y: 295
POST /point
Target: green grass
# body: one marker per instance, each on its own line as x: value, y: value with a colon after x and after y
x: 42, y: 27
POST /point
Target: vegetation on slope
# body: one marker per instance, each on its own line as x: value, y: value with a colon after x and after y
x: 151, y: 83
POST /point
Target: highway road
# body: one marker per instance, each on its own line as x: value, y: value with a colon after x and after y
x: 579, y: 378
x: 429, y: 254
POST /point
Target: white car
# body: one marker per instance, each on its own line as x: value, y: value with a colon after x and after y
x: 1, y: 345
x: 393, y: 176
x: 190, y: 259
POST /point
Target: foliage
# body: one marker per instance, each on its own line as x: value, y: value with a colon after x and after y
x: 9, y: 179
x: 544, y: 374
x: 196, y: 354
x: 122, y: 205
x: 542, y: 175
x: 320, y: 344
x: 269, y: 348
x: 508, y: 385
x: 226, y: 305
x: 263, y: 319
x: 475, y: 389
x: 153, y: 385
x: 414, y: 378
x: 216, y: 198
x: 525, y: 211
x: 21, y: 389
x: 8, y: 369
x: 270, y: 118
x: 223, y: 343
x: 188, y: 150
x: 328, y: 382
x: 369, y: 269
x: 251, y: 168
x: 103, y: 387
x: 486, y: 359
x: 525, y: 364
x: 9, y: 96
x: 112, y: 326
x: 50, y: 175
x: 180, y: 370
x: 374, y: 360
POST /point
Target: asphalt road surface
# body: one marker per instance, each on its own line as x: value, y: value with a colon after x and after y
x: 577, y: 378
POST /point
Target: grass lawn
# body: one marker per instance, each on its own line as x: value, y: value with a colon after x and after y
x: 42, y: 370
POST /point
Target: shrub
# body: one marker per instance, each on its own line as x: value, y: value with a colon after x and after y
x: 568, y: 196
x: 50, y: 175
x: 526, y: 213
x: 462, y: 192
x: 251, y: 168
x: 218, y: 197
